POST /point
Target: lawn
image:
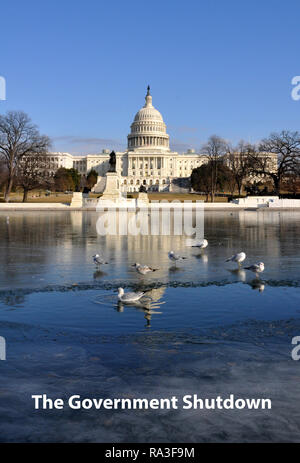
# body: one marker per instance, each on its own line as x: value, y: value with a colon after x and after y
x: 182, y: 197
x: 39, y: 197
x: 59, y: 197
x: 178, y: 197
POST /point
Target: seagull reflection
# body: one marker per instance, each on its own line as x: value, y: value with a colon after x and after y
x: 147, y: 307
x: 148, y: 317
x: 175, y: 269
x: 239, y: 273
x: 120, y: 307
x: 98, y: 274
x: 257, y: 284
x: 201, y: 256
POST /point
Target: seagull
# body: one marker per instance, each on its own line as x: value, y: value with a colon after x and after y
x: 202, y: 244
x: 143, y: 269
x: 98, y: 260
x: 256, y: 268
x: 239, y: 258
x: 129, y: 297
x: 174, y: 257
x: 199, y: 244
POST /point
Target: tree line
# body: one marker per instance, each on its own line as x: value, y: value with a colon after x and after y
x: 232, y: 167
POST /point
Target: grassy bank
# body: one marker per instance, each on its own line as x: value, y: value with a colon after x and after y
x: 36, y: 197
x: 59, y: 197
x: 179, y: 197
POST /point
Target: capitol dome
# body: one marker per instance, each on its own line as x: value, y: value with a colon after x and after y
x: 148, y: 130
x: 148, y: 112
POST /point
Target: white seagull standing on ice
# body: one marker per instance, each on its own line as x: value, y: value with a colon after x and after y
x: 174, y: 257
x: 256, y: 268
x: 98, y: 260
x: 129, y: 297
x: 238, y: 258
x: 202, y: 244
x: 143, y: 269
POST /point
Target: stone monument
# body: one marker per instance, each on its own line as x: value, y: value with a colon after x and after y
x: 142, y: 198
x: 77, y: 200
x: 111, y: 191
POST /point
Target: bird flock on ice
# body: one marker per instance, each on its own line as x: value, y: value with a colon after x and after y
x: 123, y: 296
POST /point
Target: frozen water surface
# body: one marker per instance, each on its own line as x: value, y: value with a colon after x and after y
x: 204, y: 328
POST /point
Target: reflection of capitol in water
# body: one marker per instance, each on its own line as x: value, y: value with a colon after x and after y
x: 258, y: 228
x: 148, y: 240
x: 59, y: 246
x: 164, y: 222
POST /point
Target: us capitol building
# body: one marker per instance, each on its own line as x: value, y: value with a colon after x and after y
x: 147, y: 161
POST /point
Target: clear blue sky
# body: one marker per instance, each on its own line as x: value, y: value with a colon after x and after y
x: 80, y: 68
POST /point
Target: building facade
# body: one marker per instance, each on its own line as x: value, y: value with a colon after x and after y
x: 148, y: 160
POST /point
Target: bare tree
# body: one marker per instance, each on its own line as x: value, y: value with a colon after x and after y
x: 3, y: 173
x: 230, y: 180
x: 19, y: 138
x: 239, y: 160
x: 30, y: 175
x: 286, y: 145
x: 215, y: 149
x: 291, y: 182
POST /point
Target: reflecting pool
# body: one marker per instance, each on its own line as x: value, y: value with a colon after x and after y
x: 204, y: 327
